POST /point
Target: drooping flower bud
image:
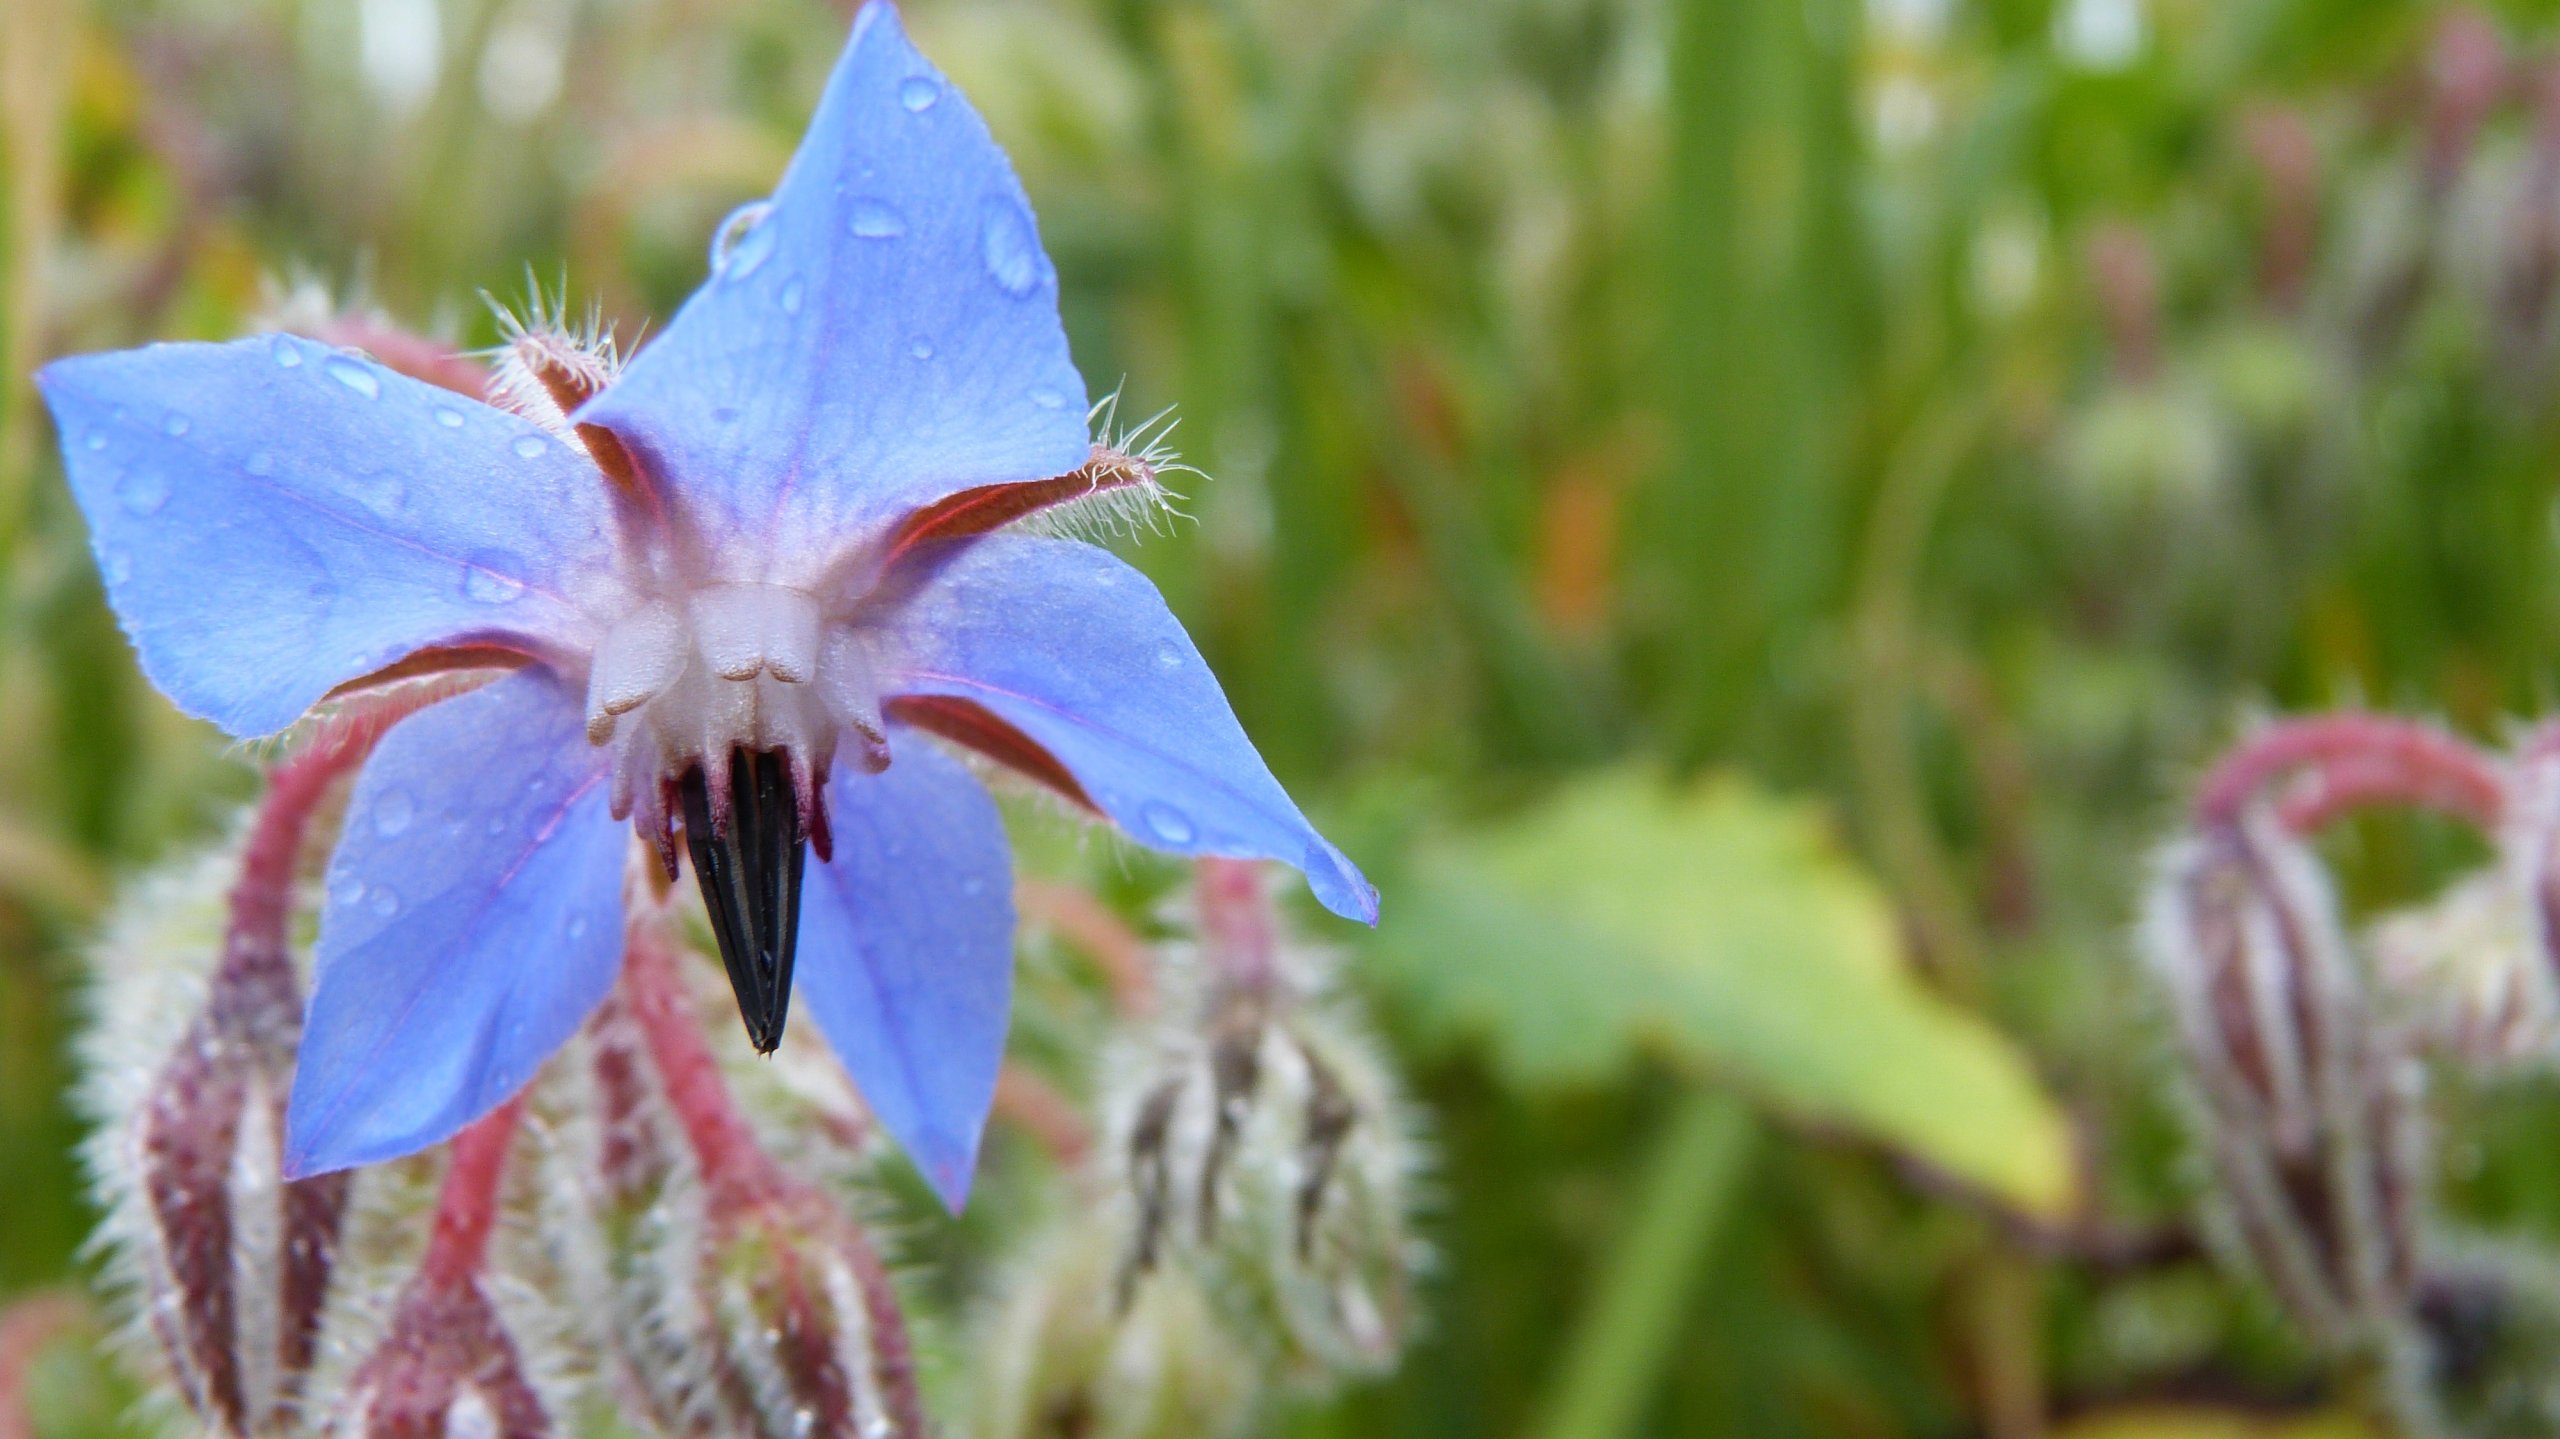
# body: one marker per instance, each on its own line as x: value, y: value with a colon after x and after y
x: 447, y: 1363
x: 784, y: 1313
x: 1064, y: 1355
x: 2306, y: 1107
x: 1265, y: 1146
x: 229, y: 1264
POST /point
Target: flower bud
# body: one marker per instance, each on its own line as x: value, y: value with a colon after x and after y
x: 1265, y: 1147
x: 228, y: 1264
x: 448, y: 1362
x: 1063, y: 1354
x: 2306, y: 1108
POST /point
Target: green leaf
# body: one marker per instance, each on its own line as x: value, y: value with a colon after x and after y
x: 1721, y: 927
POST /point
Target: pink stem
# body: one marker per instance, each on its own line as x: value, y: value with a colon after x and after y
x: 2355, y: 760
x: 1089, y: 925
x: 741, y: 1174
x: 467, y: 1206
x: 26, y: 1327
x: 1237, y: 934
x: 262, y: 898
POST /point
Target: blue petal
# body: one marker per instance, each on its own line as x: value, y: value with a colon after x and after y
x: 1078, y: 651
x: 885, y: 335
x: 473, y: 918
x: 906, y: 952
x: 275, y: 518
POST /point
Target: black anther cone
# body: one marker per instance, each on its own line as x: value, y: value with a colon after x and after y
x: 750, y: 876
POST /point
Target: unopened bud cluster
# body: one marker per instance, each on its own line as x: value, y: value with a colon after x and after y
x: 1255, y: 1173
x: 2307, y: 1047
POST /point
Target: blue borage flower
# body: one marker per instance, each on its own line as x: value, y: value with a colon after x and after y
x: 739, y: 583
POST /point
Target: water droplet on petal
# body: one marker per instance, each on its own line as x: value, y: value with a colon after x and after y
x: 96, y: 440
x: 1048, y: 399
x: 875, y: 220
x: 449, y: 417
x: 918, y: 93
x: 288, y: 354
x: 393, y: 811
x: 497, y: 824
x: 743, y: 241
x: 1008, y: 245
x: 354, y: 376
x: 577, y: 928
x: 1168, y: 657
x: 973, y: 886
x: 175, y: 425
x: 492, y: 581
x: 1166, y: 823
x: 346, y: 889
x: 791, y: 297
x: 117, y: 566
x: 922, y: 348
x: 384, y: 901
x: 143, y: 491
x: 530, y: 446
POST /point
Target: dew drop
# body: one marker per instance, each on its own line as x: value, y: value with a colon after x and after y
x: 1166, y: 823
x: 922, y: 348
x: 973, y: 886
x: 143, y: 491
x: 918, y: 93
x: 489, y: 583
x: 384, y: 901
x: 743, y: 241
x: 875, y: 220
x: 1005, y: 241
x: 1168, y: 657
x: 96, y: 440
x: 448, y: 417
x: 530, y: 446
x: 577, y: 927
x: 288, y: 354
x: 117, y: 566
x: 346, y: 890
x: 1048, y: 399
x: 354, y: 376
x: 393, y: 811
x: 175, y: 425
x: 497, y: 824
x: 791, y: 297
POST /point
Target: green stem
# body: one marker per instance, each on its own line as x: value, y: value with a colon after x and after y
x: 1616, y: 1351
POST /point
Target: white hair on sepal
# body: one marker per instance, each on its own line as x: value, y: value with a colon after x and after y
x: 1125, y: 481
x: 548, y: 361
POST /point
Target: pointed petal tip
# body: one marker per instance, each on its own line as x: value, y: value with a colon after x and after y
x: 1339, y: 885
x: 950, y: 1165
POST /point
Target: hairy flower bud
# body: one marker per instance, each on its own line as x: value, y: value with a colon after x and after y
x: 773, y: 1314
x: 230, y: 1263
x: 2306, y: 1107
x: 447, y: 1363
x: 1063, y: 1355
x: 1266, y: 1146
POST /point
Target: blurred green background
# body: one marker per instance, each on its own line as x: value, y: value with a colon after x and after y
x: 1743, y: 514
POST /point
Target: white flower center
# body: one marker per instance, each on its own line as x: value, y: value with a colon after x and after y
x: 685, y: 682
